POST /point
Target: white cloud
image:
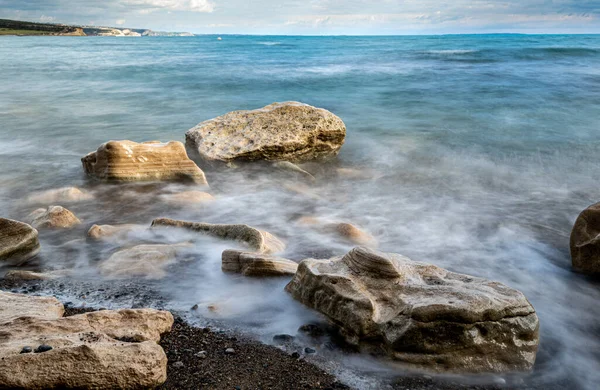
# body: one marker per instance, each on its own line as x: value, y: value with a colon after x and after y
x: 47, y: 19
x: 174, y: 5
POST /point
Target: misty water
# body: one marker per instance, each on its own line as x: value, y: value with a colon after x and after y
x: 475, y: 153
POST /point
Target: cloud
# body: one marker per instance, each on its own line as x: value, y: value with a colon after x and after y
x: 120, y: 22
x: 174, y: 5
x: 47, y: 19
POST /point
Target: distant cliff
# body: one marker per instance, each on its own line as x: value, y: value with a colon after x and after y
x: 16, y: 27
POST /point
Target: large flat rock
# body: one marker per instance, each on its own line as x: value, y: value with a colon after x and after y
x: 288, y: 131
x: 147, y: 161
x: 420, y: 314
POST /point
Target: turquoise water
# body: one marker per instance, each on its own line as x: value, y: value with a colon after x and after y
x: 480, y: 152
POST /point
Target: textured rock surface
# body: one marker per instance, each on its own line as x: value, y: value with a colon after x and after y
x: 147, y: 161
x: 103, y: 232
x: 18, y: 241
x: 188, y: 197
x: 420, y: 314
x: 345, y: 230
x: 13, y: 306
x: 258, y: 240
x: 104, y: 349
x: 255, y: 264
x: 585, y: 241
x: 289, y: 131
x: 53, y: 217
x: 60, y: 195
x: 148, y: 261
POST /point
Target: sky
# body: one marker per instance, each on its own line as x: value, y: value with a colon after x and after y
x: 318, y: 17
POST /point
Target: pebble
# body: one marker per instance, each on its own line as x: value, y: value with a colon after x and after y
x: 309, y: 350
x: 178, y: 365
x: 43, y: 348
x: 283, y: 338
x: 26, y: 350
x: 295, y: 355
x: 201, y: 355
x: 195, y: 307
x: 230, y: 351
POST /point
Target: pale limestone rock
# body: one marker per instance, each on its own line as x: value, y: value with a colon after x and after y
x: 53, y: 217
x: 345, y: 230
x: 18, y: 241
x: 13, y: 306
x: 60, y: 195
x: 104, y: 349
x: 258, y: 240
x: 103, y: 232
x: 419, y: 314
x: 288, y: 131
x: 147, y: 261
x: 147, y: 161
x: 188, y: 198
x: 256, y: 264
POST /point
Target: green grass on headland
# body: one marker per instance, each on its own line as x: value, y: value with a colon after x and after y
x: 9, y: 31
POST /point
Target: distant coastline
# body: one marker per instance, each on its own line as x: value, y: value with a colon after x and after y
x: 24, y: 28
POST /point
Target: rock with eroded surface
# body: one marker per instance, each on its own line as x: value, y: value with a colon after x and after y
x: 103, y: 350
x: 255, y: 264
x: 419, y: 314
x: 258, y: 240
x: 60, y: 195
x: 147, y: 161
x: 585, y: 241
x: 105, y: 232
x: 13, y: 306
x: 18, y: 241
x: 147, y: 261
x: 186, y: 198
x: 55, y: 217
x: 22, y: 275
x: 288, y: 131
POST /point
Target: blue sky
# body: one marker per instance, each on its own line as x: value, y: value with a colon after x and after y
x: 319, y: 17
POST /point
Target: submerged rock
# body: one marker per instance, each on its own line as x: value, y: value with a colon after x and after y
x: 258, y: 240
x: 345, y: 230
x: 53, y: 217
x: 420, y: 314
x: 31, y: 275
x: 585, y: 241
x: 103, y: 232
x: 188, y: 197
x: 254, y: 264
x: 60, y: 195
x: 147, y: 161
x: 18, y: 241
x: 147, y: 261
x: 294, y: 169
x: 289, y: 131
x: 84, y: 351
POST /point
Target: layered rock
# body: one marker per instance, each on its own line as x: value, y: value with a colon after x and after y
x: 60, y: 195
x: 258, y: 240
x: 103, y: 232
x: 53, y: 217
x: 256, y: 264
x: 147, y: 261
x: 18, y: 241
x: 289, y: 131
x: 105, y: 349
x: 146, y: 161
x: 420, y: 314
x: 14, y: 306
x: 585, y: 241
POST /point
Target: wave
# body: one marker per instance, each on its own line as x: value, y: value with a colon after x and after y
x: 451, y: 52
x: 269, y: 43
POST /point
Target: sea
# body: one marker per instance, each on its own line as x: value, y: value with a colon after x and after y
x: 475, y: 153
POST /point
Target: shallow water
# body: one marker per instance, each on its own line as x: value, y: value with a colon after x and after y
x: 479, y: 153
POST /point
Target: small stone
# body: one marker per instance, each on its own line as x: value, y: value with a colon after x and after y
x: 43, y: 348
x: 230, y: 351
x: 178, y: 365
x: 195, y: 307
x: 282, y: 339
x: 309, y: 350
x: 312, y: 330
x: 26, y: 350
x: 201, y: 355
x: 295, y: 355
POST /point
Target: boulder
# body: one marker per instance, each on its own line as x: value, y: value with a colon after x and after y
x: 419, y: 314
x: 256, y: 264
x: 103, y: 232
x: 188, y: 198
x: 345, y: 230
x: 53, y: 217
x: 18, y: 241
x: 31, y: 275
x: 14, y: 306
x: 289, y: 131
x: 103, y: 350
x: 147, y: 161
x: 585, y: 241
x: 60, y: 195
x: 258, y: 240
x: 147, y: 261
